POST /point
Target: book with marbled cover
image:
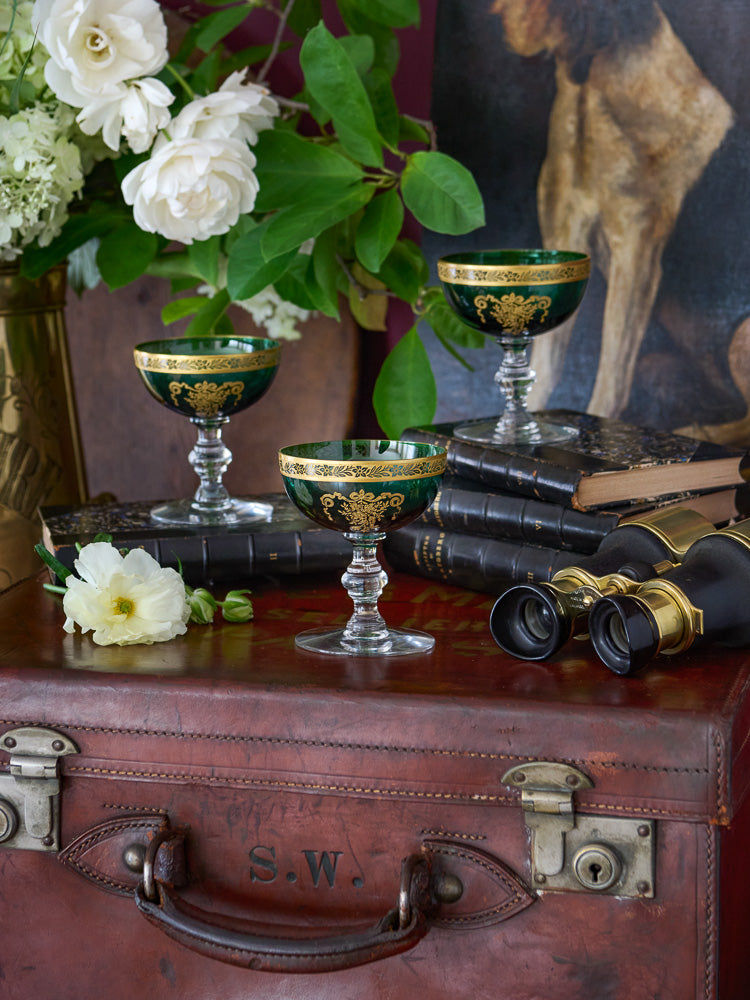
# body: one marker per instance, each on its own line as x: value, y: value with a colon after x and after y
x: 608, y: 462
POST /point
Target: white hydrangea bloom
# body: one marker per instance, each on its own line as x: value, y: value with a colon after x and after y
x: 40, y: 174
x: 94, y: 45
x: 274, y: 314
x: 238, y: 110
x: 190, y: 189
x: 124, y: 600
x: 16, y: 47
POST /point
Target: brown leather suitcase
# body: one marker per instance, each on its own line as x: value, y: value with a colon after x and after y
x: 222, y: 816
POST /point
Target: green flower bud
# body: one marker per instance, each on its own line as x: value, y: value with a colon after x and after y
x: 202, y: 605
x: 236, y: 607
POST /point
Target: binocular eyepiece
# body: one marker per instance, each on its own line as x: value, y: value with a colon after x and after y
x: 533, y: 621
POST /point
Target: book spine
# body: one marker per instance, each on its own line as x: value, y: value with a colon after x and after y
x: 488, y: 565
x: 225, y: 560
x: 520, y: 474
x: 519, y: 518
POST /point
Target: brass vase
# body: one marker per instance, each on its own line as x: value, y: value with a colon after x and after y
x: 41, y: 460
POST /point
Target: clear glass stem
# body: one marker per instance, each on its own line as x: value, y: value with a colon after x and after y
x: 210, y: 459
x: 515, y: 378
x: 364, y: 580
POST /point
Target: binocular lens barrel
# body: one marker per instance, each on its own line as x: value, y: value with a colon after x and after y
x: 623, y: 633
x: 527, y: 622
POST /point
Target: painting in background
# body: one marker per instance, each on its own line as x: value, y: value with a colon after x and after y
x: 620, y: 129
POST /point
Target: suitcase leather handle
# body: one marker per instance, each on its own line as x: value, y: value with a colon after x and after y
x: 229, y: 941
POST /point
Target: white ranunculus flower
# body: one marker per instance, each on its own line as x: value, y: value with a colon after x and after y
x: 136, y: 111
x: 96, y: 44
x: 238, y: 110
x: 124, y: 600
x: 190, y: 189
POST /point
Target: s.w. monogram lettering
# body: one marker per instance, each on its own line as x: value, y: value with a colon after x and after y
x: 319, y: 866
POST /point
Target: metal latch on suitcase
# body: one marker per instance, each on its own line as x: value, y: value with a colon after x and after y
x: 30, y: 790
x: 570, y: 851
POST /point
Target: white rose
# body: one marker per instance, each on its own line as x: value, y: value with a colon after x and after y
x: 96, y: 44
x: 124, y: 600
x: 191, y: 189
x: 236, y: 109
x: 136, y: 111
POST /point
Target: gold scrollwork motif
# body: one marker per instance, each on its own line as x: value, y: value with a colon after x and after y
x: 209, y: 364
x: 511, y: 274
x: 373, y: 472
x: 206, y: 398
x: 513, y: 312
x: 363, y: 511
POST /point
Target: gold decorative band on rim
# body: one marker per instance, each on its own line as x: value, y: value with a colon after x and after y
x: 558, y: 273
x: 202, y: 364
x: 362, y: 471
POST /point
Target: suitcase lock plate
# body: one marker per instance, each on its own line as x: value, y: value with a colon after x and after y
x: 30, y: 789
x: 570, y: 851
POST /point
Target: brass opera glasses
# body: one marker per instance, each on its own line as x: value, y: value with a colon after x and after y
x: 706, y: 596
x: 533, y: 621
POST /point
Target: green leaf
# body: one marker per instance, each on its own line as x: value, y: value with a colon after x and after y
x: 447, y: 325
x: 323, y: 297
x: 411, y: 131
x: 125, y: 253
x: 405, y: 270
x: 180, y: 308
x: 208, y: 315
x: 332, y: 80
x: 405, y: 392
x: 248, y: 271
x: 290, y: 227
x: 60, y: 571
x: 379, y: 229
x: 176, y: 266
x: 206, y: 76
x: 79, y: 229
x: 394, y: 13
x: 305, y: 15
x: 326, y: 270
x: 224, y: 327
x: 293, y: 169
x: 216, y: 26
x: 204, y: 258
x: 386, y: 44
x: 441, y: 193
x: 361, y: 51
x: 292, y: 285
x: 380, y: 91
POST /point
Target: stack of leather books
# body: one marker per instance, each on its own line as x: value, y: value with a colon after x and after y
x: 510, y: 514
x: 283, y: 543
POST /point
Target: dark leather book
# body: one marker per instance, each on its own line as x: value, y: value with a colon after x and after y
x: 608, y: 462
x: 285, y: 543
x: 469, y: 507
x: 488, y: 565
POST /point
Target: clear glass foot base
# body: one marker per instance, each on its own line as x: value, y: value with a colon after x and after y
x: 500, y: 432
x: 236, y: 512
x: 397, y: 642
